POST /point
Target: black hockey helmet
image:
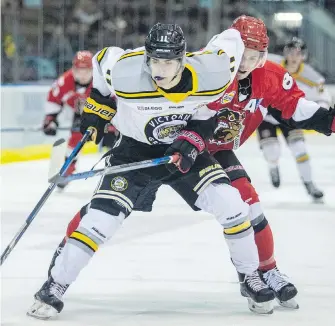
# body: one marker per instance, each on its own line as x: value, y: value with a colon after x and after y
x: 165, y: 41
x: 296, y: 43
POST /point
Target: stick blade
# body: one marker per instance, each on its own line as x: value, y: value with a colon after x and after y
x: 57, y: 158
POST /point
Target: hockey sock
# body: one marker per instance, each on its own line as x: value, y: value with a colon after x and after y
x: 299, y: 150
x: 265, y: 246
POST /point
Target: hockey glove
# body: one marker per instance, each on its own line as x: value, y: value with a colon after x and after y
x: 50, y: 124
x: 188, y: 146
x: 96, y: 116
x: 332, y: 127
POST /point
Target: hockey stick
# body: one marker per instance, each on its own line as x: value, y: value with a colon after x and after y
x: 44, y: 198
x: 29, y: 129
x: 116, y: 169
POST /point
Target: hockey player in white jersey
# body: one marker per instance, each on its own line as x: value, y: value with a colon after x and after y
x: 161, y: 94
x: 312, y: 83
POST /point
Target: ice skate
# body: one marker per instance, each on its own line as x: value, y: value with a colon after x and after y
x: 275, y: 177
x: 48, y: 300
x: 284, y: 291
x: 260, y: 296
x: 314, y: 192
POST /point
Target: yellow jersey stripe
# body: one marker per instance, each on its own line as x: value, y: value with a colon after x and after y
x: 84, y: 239
x: 138, y: 95
x: 102, y: 54
x: 238, y: 228
x: 131, y: 54
x: 192, y: 54
x: 305, y: 81
x: 212, y: 92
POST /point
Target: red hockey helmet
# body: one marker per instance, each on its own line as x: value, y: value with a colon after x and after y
x: 82, y: 59
x: 253, y: 32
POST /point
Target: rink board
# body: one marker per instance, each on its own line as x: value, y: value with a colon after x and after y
x: 23, y: 107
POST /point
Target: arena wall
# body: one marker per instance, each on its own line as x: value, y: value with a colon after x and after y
x: 23, y: 107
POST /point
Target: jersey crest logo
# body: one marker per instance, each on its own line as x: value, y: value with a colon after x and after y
x: 253, y: 105
x: 165, y: 129
x: 228, y: 97
x: 230, y: 124
x: 119, y: 183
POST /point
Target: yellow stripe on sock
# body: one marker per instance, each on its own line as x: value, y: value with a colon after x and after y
x: 85, y: 239
x: 238, y: 228
x: 302, y: 158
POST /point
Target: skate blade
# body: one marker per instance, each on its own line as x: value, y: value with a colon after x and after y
x: 41, y: 310
x: 261, y: 308
x: 290, y: 304
x: 318, y: 201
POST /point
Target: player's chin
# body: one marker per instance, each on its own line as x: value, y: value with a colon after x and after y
x: 163, y: 83
x: 83, y: 81
x: 160, y: 82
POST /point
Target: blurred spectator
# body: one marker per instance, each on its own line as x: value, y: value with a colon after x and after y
x: 55, y: 31
x: 84, y: 24
x: 330, y: 5
x: 59, y: 48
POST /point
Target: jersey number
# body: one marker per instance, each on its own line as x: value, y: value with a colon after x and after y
x: 287, y: 81
x: 252, y: 105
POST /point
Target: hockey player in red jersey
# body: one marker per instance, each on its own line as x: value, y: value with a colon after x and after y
x: 70, y: 89
x: 261, y: 87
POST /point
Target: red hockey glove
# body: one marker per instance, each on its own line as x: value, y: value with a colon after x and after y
x: 50, y: 124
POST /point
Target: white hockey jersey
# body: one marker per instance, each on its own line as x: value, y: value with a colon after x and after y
x: 309, y: 81
x: 146, y: 112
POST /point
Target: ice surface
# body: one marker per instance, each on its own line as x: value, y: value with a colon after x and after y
x: 171, y: 266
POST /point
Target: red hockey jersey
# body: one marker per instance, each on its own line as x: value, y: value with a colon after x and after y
x: 244, y: 105
x: 65, y: 91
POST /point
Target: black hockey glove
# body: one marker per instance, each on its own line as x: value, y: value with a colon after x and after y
x: 50, y: 125
x: 188, y: 146
x: 96, y: 116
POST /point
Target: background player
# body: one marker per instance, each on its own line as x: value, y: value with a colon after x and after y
x: 312, y: 83
x: 71, y: 89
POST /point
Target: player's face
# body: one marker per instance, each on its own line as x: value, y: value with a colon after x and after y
x: 294, y: 56
x: 163, y: 71
x: 83, y: 75
x: 250, y: 60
